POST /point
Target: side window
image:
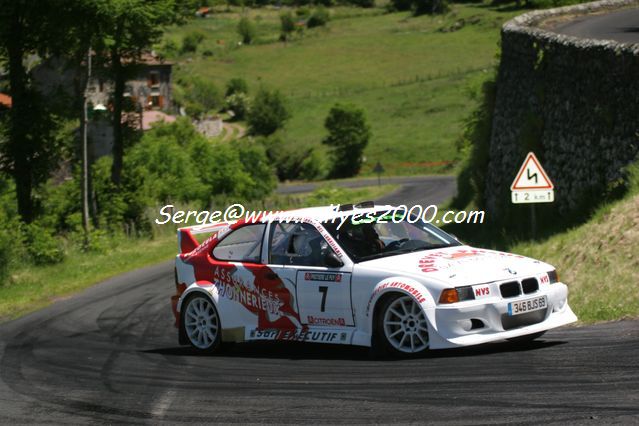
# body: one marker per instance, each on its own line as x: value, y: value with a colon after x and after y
x: 297, y: 244
x: 242, y: 245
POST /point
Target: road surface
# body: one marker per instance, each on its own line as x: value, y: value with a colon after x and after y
x: 110, y: 355
x: 622, y: 26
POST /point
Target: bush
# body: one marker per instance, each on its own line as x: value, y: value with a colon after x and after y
x: 268, y: 113
x: 236, y: 85
x: 362, y: 3
x: 313, y: 166
x: 199, y: 96
x: 430, y: 7
x: 11, y: 237
x: 319, y: 18
x: 291, y: 164
x: 239, y: 104
x: 7, y: 247
x: 348, y: 136
x: 255, y: 161
x: 42, y: 246
x: 474, y: 150
x: 288, y: 162
x: 191, y: 41
x: 246, y: 30
x: 303, y: 12
x: 401, y: 5
x: 287, y: 25
x: 169, y: 48
x: 121, y: 209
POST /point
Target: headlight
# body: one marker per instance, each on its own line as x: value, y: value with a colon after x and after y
x: 458, y: 294
x: 553, y: 276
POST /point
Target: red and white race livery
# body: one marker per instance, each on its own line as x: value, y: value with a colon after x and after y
x: 364, y: 275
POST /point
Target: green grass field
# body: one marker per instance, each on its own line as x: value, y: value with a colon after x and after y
x: 411, y: 78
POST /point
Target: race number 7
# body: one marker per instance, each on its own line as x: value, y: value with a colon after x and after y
x: 324, y: 290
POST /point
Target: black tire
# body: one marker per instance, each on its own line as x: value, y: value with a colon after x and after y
x: 384, y: 343
x: 527, y: 338
x: 200, y: 325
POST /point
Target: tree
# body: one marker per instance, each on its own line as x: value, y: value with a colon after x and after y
x: 287, y: 25
x: 268, y: 113
x: 319, y: 18
x: 30, y: 149
x: 348, y: 136
x: 130, y: 27
x: 246, y: 30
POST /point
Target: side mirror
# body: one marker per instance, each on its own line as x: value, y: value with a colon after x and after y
x: 331, y: 260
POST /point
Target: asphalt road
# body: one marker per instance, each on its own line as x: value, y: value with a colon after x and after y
x: 424, y: 190
x: 109, y: 355
x: 622, y: 26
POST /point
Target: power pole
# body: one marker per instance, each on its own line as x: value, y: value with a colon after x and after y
x: 85, y: 155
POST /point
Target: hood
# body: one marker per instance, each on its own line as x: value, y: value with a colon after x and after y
x: 461, y: 265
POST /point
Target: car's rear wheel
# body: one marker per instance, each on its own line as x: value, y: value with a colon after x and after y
x: 201, y: 323
x: 402, y: 328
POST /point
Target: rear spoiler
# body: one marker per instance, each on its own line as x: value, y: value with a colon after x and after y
x: 186, y: 240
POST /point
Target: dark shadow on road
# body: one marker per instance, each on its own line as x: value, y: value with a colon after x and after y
x: 629, y: 30
x: 310, y: 351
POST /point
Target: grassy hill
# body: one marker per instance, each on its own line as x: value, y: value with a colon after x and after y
x: 599, y: 261
x: 411, y: 75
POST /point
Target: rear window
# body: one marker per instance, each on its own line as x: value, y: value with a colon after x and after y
x: 242, y: 245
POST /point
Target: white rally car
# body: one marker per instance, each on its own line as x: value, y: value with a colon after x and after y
x: 357, y: 275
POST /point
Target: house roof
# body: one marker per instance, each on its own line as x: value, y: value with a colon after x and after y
x: 5, y: 100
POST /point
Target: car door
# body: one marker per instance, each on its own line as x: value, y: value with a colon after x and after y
x: 298, y: 252
x: 242, y: 278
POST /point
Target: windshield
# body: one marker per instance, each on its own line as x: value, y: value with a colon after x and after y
x: 376, y: 235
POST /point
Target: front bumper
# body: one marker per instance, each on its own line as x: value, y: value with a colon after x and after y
x: 450, y: 326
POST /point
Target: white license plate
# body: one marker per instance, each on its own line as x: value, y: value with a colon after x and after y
x: 528, y: 305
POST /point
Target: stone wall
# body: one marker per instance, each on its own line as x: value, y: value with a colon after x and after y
x: 574, y: 102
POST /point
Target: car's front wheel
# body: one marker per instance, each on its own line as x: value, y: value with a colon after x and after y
x: 402, y: 328
x: 201, y: 323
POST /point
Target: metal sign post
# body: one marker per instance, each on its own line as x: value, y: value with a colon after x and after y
x: 531, y: 186
x: 379, y: 169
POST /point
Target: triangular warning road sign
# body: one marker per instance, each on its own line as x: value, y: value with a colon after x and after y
x: 531, y: 175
